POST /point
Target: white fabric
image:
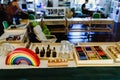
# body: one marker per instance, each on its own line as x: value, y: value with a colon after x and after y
x: 38, y: 32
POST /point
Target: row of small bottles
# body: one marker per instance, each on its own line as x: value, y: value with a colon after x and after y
x: 48, y: 52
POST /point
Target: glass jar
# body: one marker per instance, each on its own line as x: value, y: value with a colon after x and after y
x: 65, y: 49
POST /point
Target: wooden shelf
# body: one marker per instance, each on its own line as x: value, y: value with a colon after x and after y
x: 90, y: 22
x: 55, y: 25
x: 56, y: 30
x: 107, y: 29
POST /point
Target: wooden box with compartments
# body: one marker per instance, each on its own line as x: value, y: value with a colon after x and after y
x: 94, y: 53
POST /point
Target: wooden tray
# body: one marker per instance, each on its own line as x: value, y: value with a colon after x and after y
x: 56, y: 45
x: 103, y: 46
x: 10, y: 45
x: 17, y: 27
x: 114, y: 50
x: 21, y: 33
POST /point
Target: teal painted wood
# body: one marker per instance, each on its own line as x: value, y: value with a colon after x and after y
x: 80, y: 73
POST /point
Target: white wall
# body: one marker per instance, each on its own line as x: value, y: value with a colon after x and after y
x: 104, y: 5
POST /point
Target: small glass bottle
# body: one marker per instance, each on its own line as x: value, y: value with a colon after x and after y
x: 54, y: 53
x: 37, y: 50
x: 42, y: 52
x: 48, y: 52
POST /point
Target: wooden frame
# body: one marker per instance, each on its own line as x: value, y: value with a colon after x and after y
x: 107, y: 22
x: 56, y: 22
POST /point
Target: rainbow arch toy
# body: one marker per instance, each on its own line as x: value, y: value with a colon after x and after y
x: 22, y: 54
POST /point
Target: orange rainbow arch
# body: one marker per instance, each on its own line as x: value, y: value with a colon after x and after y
x: 22, y: 54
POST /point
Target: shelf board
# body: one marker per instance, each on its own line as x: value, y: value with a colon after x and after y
x: 56, y: 30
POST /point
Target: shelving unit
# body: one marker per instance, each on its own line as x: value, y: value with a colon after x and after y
x: 4, y: 1
x: 31, y: 5
x: 114, y: 12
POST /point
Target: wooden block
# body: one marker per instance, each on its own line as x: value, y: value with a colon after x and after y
x: 57, y: 62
